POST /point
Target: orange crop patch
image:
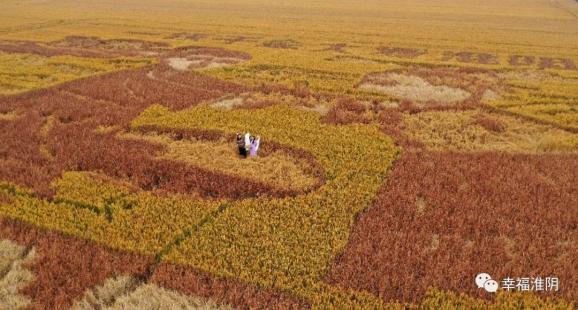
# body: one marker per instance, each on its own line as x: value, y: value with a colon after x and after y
x: 442, y: 218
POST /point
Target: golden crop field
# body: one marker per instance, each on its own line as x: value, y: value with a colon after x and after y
x: 407, y: 146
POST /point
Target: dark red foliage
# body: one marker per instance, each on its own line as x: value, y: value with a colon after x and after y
x: 65, y: 267
x: 490, y: 124
x: 84, y: 47
x: 347, y: 111
x: 226, y: 291
x: 124, y: 46
x: 115, y: 100
x: 390, y: 117
x: 111, y: 100
x: 441, y: 218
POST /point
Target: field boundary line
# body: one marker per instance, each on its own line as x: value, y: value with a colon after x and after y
x: 188, y: 232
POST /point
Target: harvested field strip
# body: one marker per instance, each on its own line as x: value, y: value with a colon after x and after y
x: 127, y: 293
x: 14, y: 275
x: 477, y: 200
x: 105, y: 295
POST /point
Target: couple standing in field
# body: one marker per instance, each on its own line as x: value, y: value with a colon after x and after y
x: 248, y: 144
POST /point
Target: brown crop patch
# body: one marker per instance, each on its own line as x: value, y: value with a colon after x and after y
x: 196, y: 57
x: 66, y: 269
x: 282, y: 44
x: 80, y: 46
x: 490, y: 123
x: 471, y: 57
x: 100, y: 48
x: 337, y: 47
x: 48, y: 51
x: 348, y: 111
x: 109, y: 100
x: 402, y: 52
x: 441, y: 218
x: 187, y: 36
x: 542, y: 62
x: 238, y: 38
x: 66, y: 266
x: 186, y: 51
x: 557, y: 63
x: 33, y: 157
x: 227, y: 291
x: 81, y: 42
x: 143, y: 33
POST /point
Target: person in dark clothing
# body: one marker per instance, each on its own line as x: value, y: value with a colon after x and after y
x: 241, y: 145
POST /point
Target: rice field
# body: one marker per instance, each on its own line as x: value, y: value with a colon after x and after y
x: 406, y: 147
